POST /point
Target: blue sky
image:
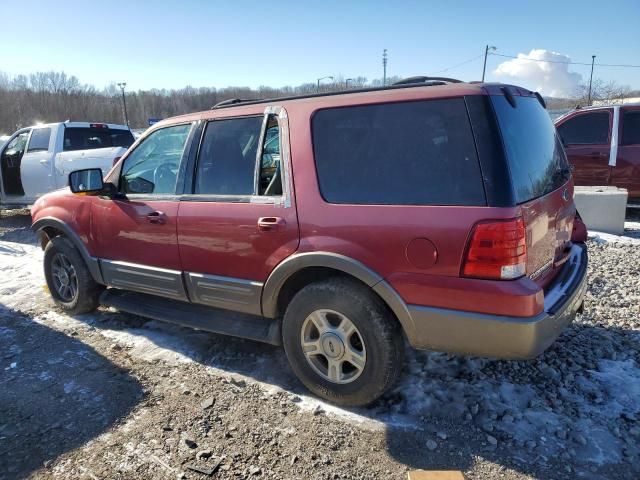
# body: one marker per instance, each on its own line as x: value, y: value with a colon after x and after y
x: 172, y: 44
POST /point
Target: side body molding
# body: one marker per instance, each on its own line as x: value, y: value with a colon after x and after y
x: 92, y: 262
x: 335, y: 261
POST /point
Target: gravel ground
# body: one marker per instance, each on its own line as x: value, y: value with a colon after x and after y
x: 109, y: 395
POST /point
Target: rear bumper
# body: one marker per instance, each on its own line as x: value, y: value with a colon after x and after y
x: 499, y: 336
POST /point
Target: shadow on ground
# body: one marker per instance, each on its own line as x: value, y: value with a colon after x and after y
x: 56, y: 394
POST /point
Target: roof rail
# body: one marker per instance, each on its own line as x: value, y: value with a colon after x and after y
x: 429, y: 80
x: 233, y: 101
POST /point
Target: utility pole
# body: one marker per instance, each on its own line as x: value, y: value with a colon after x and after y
x: 593, y: 59
x: 384, y: 67
x: 486, y: 53
x: 318, y: 84
x: 124, y: 103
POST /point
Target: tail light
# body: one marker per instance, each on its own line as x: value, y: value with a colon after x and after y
x: 115, y: 160
x: 497, y: 250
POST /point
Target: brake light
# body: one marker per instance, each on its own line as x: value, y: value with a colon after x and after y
x: 497, y: 250
x: 98, y: 125
x: 115, y: 160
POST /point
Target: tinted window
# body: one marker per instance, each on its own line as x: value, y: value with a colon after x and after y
x: 534, y: 153
x: 153, y: 166
x: 39, y: 140
x: 88, y: 138
x: 227, y: 158
x: 588, y: 128
x: 631, y: 128
x: 412, y: 153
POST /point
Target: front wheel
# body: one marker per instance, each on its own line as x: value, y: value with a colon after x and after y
x: 68, y: 278
x: 342, y: 342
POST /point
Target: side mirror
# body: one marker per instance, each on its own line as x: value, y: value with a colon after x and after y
x: 86, y: 182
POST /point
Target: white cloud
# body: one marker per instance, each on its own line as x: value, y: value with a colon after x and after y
x: 550, y: 79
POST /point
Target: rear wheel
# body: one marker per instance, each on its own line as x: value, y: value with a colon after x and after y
x: 342, y: 342
x: 68, y: 278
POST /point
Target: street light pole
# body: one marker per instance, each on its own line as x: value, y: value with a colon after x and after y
x: 318, y: 83
x: 346, y: 83
x: 384, y: 67
x: 593, y: 59
x: 486, y: 53
x: 124, y: 103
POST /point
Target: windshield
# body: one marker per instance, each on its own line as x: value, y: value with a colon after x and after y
x: 537, y: 161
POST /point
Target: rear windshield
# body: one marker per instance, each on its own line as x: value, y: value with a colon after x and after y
x: 537, y: 162
x: 89, y: 138
x: 410, y: 153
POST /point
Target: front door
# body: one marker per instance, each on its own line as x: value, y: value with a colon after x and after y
x: 587, y: 137
x: 134, y: 235
x: 626, y: 173
x: 238, y: 221
x: 36, y: 169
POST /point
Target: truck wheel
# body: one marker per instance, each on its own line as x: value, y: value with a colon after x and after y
x: 342, y: 342
x: 68, y: 278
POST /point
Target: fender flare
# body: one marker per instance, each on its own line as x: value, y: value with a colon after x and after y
x: 335, y: 261
x: 92, y: 263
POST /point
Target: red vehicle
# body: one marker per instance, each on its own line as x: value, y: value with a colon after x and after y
x: 603, y: 144
x: 335, y: 225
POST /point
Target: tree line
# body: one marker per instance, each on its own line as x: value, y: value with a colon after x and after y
x: 44, y: 97
x: 55, y: 96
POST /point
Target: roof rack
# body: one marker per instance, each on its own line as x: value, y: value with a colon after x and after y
x: 396, y: 86
x: 427, y: 80
x: 233, y: 101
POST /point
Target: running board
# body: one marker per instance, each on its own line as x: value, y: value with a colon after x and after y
x: 210, y: 319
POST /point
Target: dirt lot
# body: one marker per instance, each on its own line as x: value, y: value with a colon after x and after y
x: 109, y: 395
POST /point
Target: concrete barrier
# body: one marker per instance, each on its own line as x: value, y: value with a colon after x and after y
x: 602, y: 209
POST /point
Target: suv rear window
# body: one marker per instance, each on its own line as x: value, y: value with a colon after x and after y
x: 536, y: 159
x: 410, y: 153
x: 89, y: 138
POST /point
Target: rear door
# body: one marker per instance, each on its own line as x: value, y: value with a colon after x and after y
x: 587, y: 139
x: 626, y: 173
x: 237, y: 219
x: 134, y: 235
x: 541, y: 180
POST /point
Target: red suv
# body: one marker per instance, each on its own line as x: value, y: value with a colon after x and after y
x: 335, y: 225
x: 603, y: 144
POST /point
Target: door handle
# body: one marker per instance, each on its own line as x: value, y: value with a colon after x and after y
x: 44, y: 161
x: 267, y: 224
x: 156, y: 217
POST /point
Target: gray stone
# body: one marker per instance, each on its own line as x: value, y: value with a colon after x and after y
x: 431, y: 444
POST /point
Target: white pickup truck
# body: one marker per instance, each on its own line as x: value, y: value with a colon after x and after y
x: 38, y: 159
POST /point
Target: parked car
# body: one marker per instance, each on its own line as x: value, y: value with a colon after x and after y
x: 603, y: 144
x: 38, y: 159
x: 410, y: 212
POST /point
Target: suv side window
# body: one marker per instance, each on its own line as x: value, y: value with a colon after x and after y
x: 631, y: 127
x: 227, y: 159
x: 152, y: 168
x: 39, y: 141
x: 270, y: 160
x: 409, y: 153
x: 586, y: 129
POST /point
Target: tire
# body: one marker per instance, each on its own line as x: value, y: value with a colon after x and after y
x: 60, y: 252
x: 377, y: 339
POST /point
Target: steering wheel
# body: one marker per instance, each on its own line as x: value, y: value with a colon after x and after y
x: 164, y: 177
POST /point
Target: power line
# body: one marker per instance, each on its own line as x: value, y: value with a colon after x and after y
x: 566, y: 63
x: 458, y: 64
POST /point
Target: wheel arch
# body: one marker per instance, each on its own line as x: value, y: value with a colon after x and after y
x: 301, y: 269
x: 49, y: 227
